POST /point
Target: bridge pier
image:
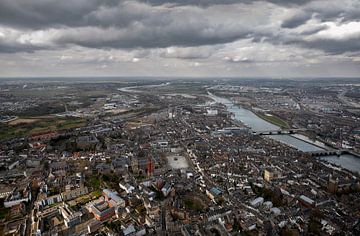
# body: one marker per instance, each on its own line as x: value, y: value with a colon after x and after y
x: 277, y: 132
x: 326, y: 153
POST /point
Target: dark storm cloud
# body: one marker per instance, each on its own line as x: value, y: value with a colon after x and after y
x: 342, y: 11
x: 313, y: 30
x: 130, y: 24
x: 148, y: 24
x: 46, y: 13
x: 289, y: 2
x: 140, y: 35
x: 297, y: 20
x: 206, y: 3
x: 38, y: 14
x: 202, y: 3
x: 332, y: 46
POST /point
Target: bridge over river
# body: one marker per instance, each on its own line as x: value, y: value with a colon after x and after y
x: 290, y: 137
x: 277, y: 131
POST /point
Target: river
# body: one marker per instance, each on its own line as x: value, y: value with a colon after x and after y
x: 134, y: 89
x: 297, y: 141
x: 245, y: 116
x: 347, y: 161
x: 254, y: 122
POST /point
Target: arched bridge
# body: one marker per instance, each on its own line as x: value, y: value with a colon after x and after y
x: 326, y: 153
x: 279, y: 131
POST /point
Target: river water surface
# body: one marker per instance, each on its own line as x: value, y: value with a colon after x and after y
x: 256, y: 124
x: 297, y: 141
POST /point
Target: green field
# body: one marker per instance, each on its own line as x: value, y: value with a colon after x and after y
x: 95, y: 182
x: 40, y: 126
x: 96, y: 193
x: 274, y: 120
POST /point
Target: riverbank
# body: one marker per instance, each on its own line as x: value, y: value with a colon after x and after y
x: 272, y: 119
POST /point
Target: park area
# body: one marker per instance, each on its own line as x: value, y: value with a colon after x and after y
x: 28, y: 126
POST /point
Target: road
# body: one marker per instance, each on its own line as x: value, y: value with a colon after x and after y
x: 34, y: 193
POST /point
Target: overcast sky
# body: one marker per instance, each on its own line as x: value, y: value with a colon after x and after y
x: 244, y: 38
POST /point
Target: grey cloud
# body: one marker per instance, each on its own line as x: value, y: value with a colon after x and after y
x: 206, y: 3
x: 10, y: 47
x: 10, y: 43
x: 38, y: 14
x: 314, y: 29
x: 122, y: 24
x: 127, y: 24
x: 189, y: 52
x: 191, y: 2
x: 150, y: 24
x: 235, y: 60
x: 342, y: 11
x: 290, y: 3
x: 328, y: 45
x: 334, y: 46
x: 300, y: 18
x: 121, y: 15
x: 45, y: 13
x: 180, y: 33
